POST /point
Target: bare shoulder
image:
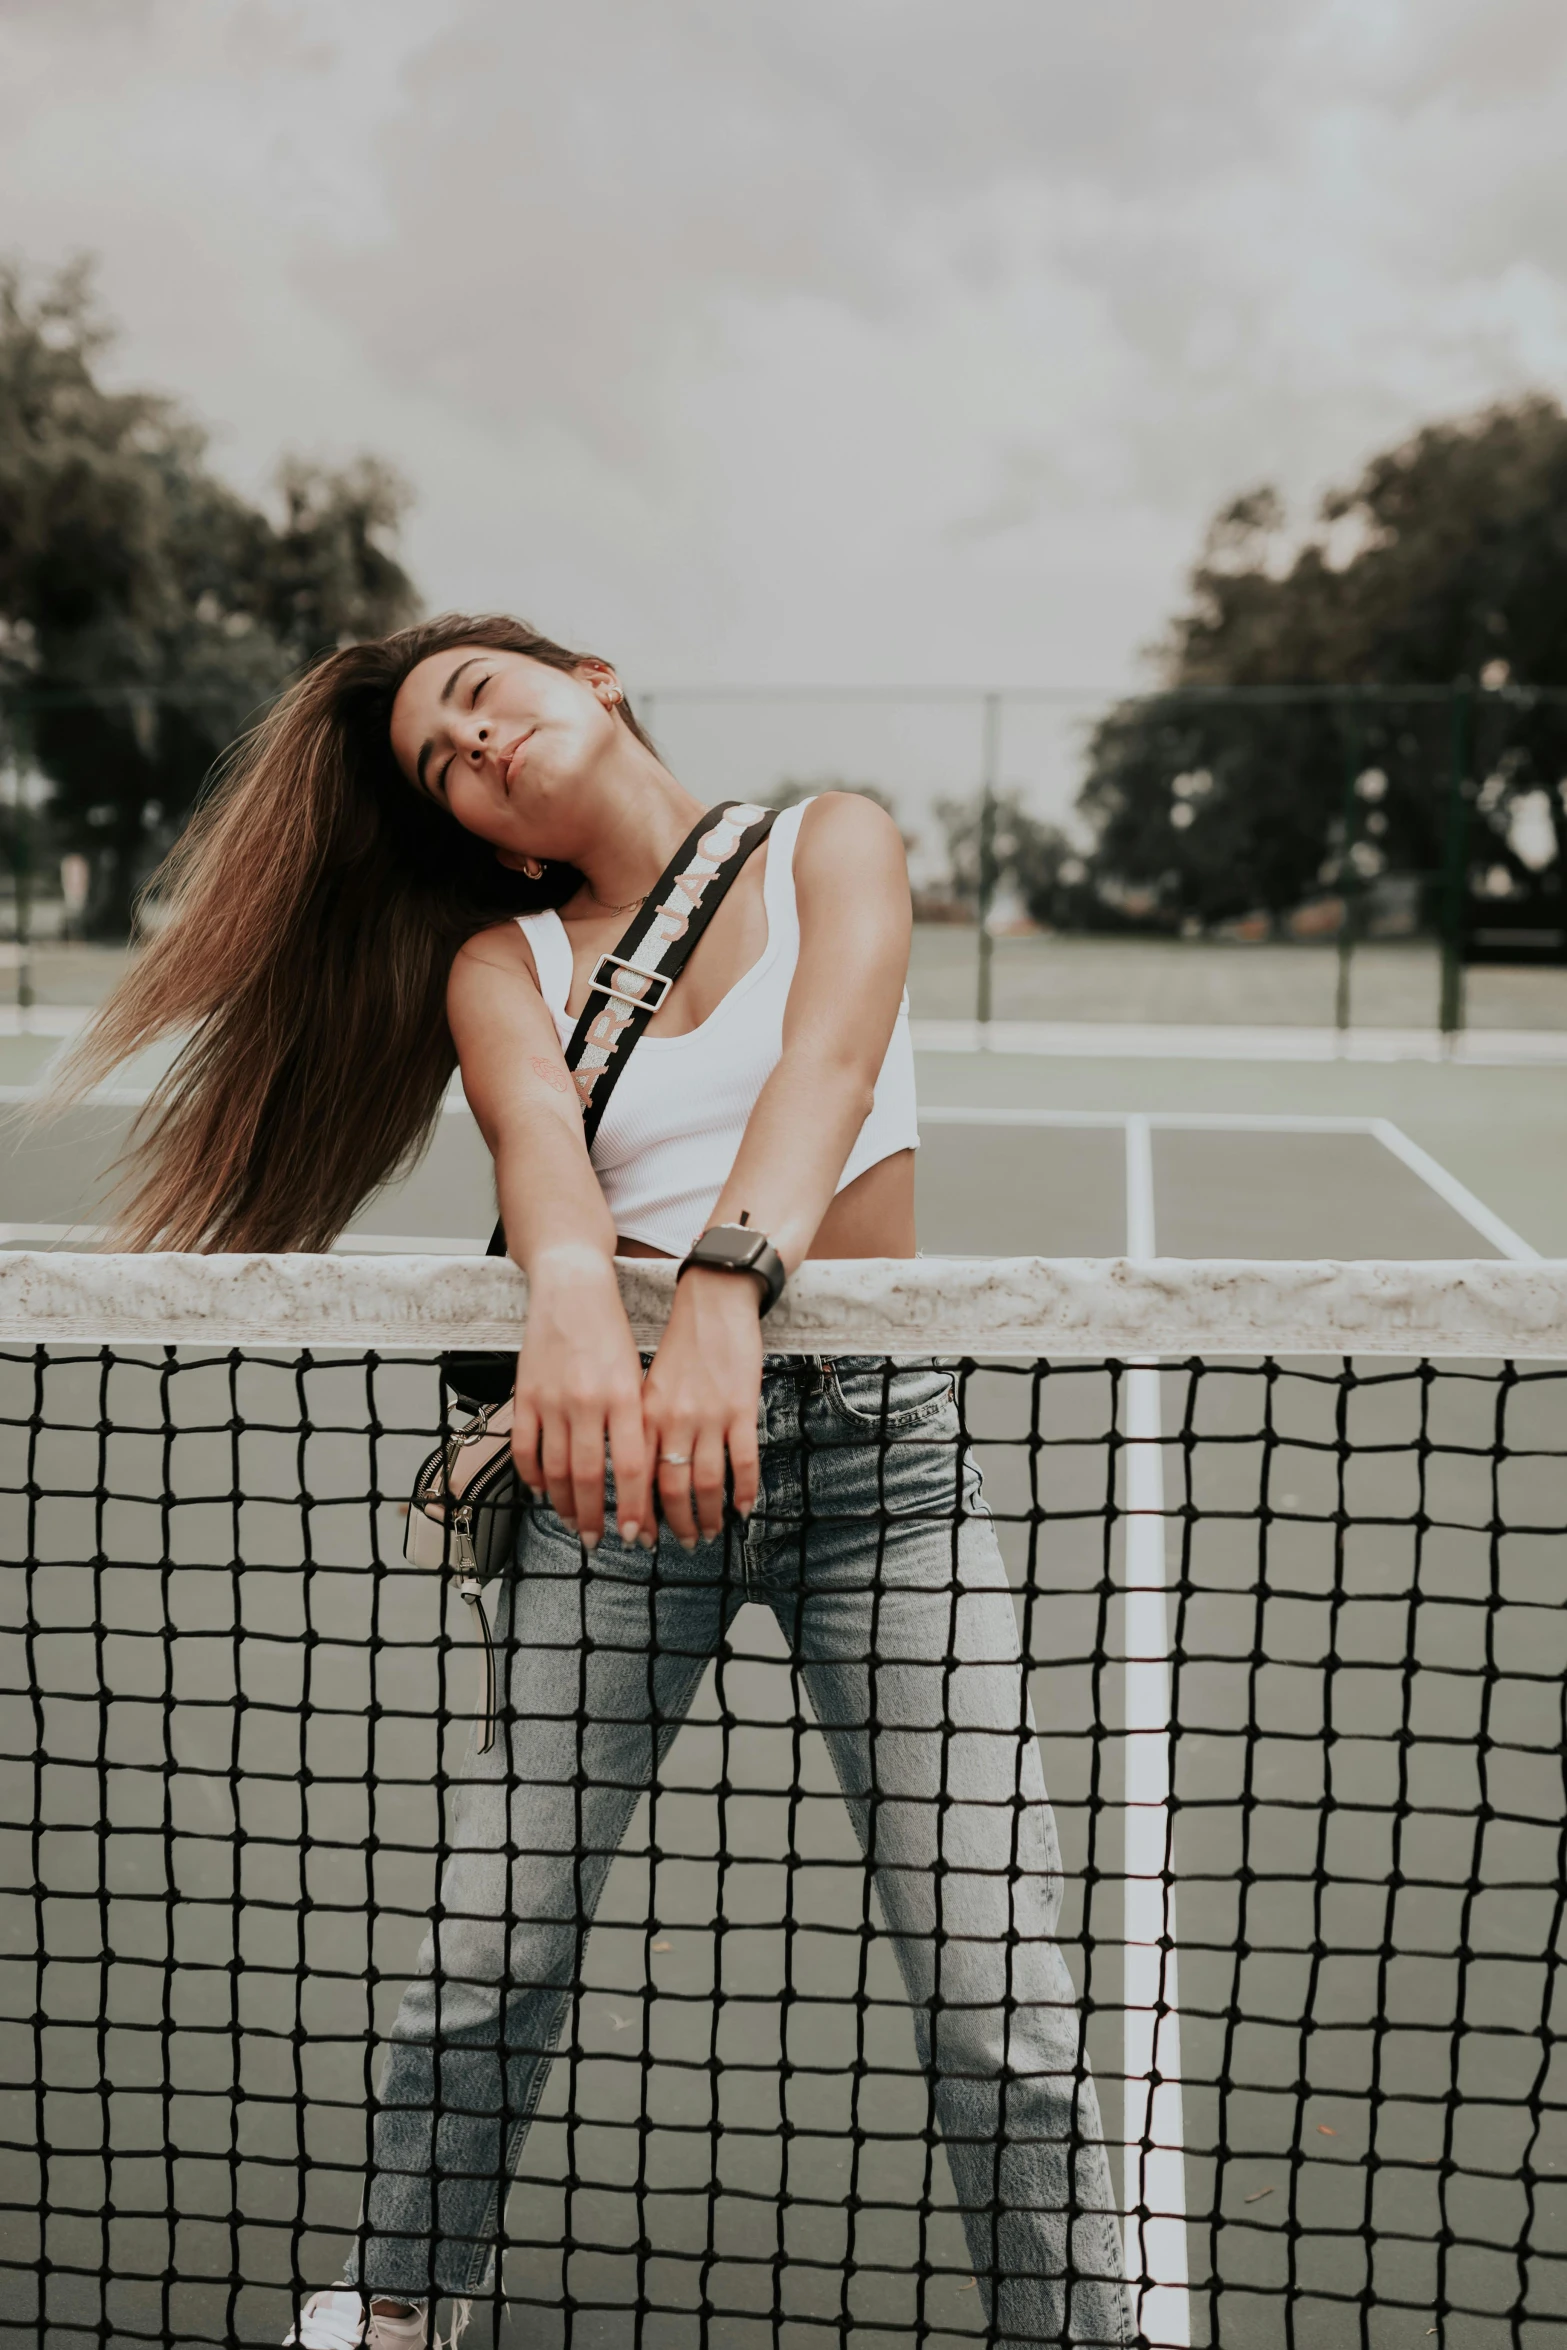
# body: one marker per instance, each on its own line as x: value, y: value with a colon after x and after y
x: 501, y: 951
x: 852, y: 890
x: 845, y: 835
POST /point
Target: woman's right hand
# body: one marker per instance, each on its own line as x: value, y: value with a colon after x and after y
x: 579, y: 1385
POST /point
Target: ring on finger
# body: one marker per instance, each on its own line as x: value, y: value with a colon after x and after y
x: 674, y: 1460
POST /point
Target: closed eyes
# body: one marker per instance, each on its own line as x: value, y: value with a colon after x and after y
x: 473, y: 703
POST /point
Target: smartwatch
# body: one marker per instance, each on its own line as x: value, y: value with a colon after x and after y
x: 735, y: 1248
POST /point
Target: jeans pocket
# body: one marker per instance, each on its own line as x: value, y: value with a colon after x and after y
x: 875, y: 1397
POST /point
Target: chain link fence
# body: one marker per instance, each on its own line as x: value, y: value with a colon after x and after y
x: 1335, y: 817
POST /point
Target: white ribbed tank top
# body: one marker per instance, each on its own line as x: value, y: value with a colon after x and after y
x: 668, y: 1139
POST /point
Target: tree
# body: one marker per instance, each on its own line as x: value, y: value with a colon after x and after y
x: 1035, y: 859
x: 147, y: 611
x: 1445, y: 563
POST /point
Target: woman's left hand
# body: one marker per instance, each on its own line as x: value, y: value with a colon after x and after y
x: 699, y: 1401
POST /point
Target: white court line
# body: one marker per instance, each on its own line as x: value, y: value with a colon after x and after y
x: 44, y: 1019
x: 1158, y: 1040
x: 1153, y: 2129
x: 454, y: 1102
x: 1457, y: 1195
x: 403, y: 1244
x: 1217, y: 1121
x: 50, y: 1235
x: 351, y: 1244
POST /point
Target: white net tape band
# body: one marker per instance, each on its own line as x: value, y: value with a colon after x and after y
x: 1035, y: 1307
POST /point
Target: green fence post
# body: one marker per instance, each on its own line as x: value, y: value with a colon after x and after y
x: 22, y: 875
x: 990, y: 767
x: 1455, y: 873
x: 19, y: 848
x: 1348, y: 880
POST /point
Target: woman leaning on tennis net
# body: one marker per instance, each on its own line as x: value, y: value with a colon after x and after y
x: 450, y: 844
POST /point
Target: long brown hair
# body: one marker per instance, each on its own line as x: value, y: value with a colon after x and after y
x: 313, y: 906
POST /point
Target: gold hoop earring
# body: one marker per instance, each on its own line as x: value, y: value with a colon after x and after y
x: 534, y: 868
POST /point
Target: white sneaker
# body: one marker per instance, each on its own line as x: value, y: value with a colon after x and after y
x: 337, y: 2320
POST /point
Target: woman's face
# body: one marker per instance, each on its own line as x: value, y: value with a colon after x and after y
x: 503, y: 743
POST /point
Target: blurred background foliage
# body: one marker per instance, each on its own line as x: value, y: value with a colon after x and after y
x: 1445, y: 564
x: 1315, y: 698
x: 148, y: 612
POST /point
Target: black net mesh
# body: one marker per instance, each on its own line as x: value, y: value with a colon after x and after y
x: 235, y: 1725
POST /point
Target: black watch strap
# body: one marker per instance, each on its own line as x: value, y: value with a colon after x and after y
x: 735, y: 1248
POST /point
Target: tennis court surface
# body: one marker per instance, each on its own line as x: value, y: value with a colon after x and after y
x: 994, y: 1180
x: 1293, y: 1613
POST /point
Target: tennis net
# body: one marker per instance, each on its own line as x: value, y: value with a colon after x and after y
x: 1284, y: 1546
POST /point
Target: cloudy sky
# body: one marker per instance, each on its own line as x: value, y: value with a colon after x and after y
x: 828, y: 339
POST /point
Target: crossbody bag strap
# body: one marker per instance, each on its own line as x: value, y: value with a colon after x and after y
x: 629, y: 984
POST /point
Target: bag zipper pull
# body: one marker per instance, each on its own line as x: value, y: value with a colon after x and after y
x: 473, y: 1592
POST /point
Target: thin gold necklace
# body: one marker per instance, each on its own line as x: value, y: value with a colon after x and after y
x: 609, y: 909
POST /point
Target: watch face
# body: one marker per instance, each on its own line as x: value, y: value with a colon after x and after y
x: 730, y: 1244
x: 735, y: 1248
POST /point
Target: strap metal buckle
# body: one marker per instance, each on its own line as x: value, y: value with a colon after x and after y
x: 625, y: 995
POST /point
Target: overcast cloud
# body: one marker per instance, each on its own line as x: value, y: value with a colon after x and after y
x: 885, y: 339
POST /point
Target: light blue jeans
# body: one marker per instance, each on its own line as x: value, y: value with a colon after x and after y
x: 873, y: 1549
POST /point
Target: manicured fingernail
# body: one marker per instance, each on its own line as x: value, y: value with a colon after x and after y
x: 647, y: 1539
x: 687, y: 1541
x: 628, y: 1530
x: 570, y: 1525
x: 589, y: 1541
